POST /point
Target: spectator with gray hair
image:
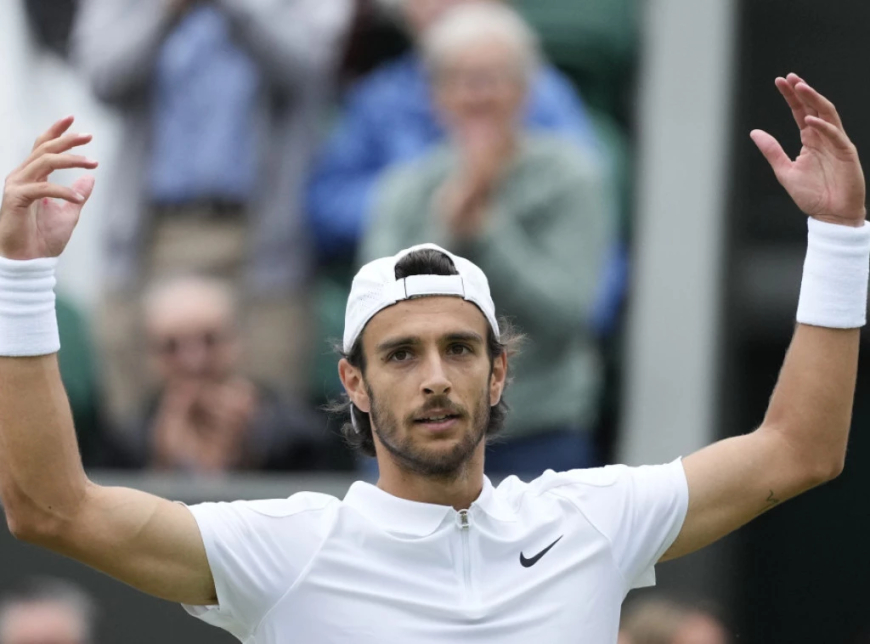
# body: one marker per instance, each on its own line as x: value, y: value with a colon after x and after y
x: 389, y: 118
x: 531, y: 209
x: 47, y: 611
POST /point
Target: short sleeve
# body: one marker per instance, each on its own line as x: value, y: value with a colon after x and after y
x: 256, y: 551
x: 640, y: 510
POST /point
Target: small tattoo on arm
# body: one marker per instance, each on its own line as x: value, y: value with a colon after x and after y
x: 771, y: 499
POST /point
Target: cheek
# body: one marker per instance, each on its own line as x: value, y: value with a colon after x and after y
x: 162, y: 367
x: 389, y: 392
x: 474, y: 384
x: 447, y: 103
x: 226, y: 357
x: 511, y: 104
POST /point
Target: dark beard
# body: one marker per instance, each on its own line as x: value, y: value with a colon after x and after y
x: 413, y: 459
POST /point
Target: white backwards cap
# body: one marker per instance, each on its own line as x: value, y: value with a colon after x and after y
x: 375, y: 287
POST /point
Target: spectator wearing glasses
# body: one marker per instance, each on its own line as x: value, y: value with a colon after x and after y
x: 206, y: 416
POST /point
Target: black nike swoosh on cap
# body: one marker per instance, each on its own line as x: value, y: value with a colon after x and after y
x: 531, y: 561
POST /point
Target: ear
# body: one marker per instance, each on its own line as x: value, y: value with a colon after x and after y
x: 498, y: 380
x: 354, y: 385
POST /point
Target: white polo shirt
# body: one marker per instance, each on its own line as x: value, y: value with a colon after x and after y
x: 545, y: 562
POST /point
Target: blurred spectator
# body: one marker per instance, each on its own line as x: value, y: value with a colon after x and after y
x: 220, y: 101
x: 530, y: 209
x: 47, y: 611
x: 662, y: 621
x: 389, y: 118
x: 206, y: 416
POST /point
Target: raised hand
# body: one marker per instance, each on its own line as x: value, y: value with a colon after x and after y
x: 37, y: 217
x: 484, y: 153
x: 825, y: 180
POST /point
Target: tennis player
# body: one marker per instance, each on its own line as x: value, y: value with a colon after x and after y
x: 433, y: 553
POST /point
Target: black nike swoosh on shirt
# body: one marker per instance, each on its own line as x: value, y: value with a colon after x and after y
x: 531, y: 561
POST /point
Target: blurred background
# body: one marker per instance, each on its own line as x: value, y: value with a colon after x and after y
x: 591, y: 155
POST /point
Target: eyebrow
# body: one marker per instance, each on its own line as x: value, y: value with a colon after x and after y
x: 411, y: 340
x: 464, y: 336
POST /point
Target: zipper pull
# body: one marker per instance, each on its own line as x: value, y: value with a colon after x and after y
x: 462, y: 520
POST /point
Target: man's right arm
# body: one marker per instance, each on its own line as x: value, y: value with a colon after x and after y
x: 145, y: 541
x: 149, y: 543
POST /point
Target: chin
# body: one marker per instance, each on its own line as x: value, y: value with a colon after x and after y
x: 447, y: 445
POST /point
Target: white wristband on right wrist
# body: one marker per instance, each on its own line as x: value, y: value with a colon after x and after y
x: 836, y: 269
x: 28, y: 324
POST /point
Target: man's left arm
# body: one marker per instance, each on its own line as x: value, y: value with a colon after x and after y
x: 802, y: 441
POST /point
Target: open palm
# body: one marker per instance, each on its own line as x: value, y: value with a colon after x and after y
x: 37, y: 217
x: 825, y: 180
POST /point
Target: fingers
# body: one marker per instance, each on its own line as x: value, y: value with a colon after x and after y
x: 821, y: 105
x: 34, y: 191
x: 45, y: 164
x: 806, y: 101
x: 811, y: 109
x: 84, y: 186
x: 798, y: 109
x: 833, y: 134
x: 772, y: 151
x: 56, y: 140
x: 54, y: 131
x: 60, y: 144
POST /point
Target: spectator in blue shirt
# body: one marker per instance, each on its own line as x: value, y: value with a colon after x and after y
x: 389, y: 118
x: 219, y: 104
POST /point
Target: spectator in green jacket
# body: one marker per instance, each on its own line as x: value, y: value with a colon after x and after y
x: 531, y: 210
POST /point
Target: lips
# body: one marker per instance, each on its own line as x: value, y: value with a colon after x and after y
x: 436, y: 416
x: 435, y: 419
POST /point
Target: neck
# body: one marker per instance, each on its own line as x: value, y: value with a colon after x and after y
x: 459, y: 489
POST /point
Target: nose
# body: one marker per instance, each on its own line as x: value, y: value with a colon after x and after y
x: 476, y: 95
x: 192, y: 358
x: 435, y: 380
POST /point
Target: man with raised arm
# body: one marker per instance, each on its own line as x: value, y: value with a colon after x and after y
x: 432, y: 553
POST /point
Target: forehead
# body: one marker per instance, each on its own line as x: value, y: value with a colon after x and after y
x: 427, y: 318
x: 488, y: 51
x: 189, y: 309
x: 430, y: 9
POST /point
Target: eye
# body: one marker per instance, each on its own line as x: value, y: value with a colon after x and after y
x: 400, y: 355
x: 459, y: 350
x: 168, y: 346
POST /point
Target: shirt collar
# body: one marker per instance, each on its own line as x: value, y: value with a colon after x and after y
x: 401, y: 516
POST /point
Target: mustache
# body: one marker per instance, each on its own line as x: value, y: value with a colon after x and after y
x: 439, y: 402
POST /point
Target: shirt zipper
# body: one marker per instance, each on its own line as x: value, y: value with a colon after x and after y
x: 464, y: 523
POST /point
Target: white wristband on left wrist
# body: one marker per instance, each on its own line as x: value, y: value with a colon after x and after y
x: 836, y: 269
x: 28, y: 323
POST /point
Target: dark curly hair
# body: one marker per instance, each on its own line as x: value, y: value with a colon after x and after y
x: 357, y: 428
